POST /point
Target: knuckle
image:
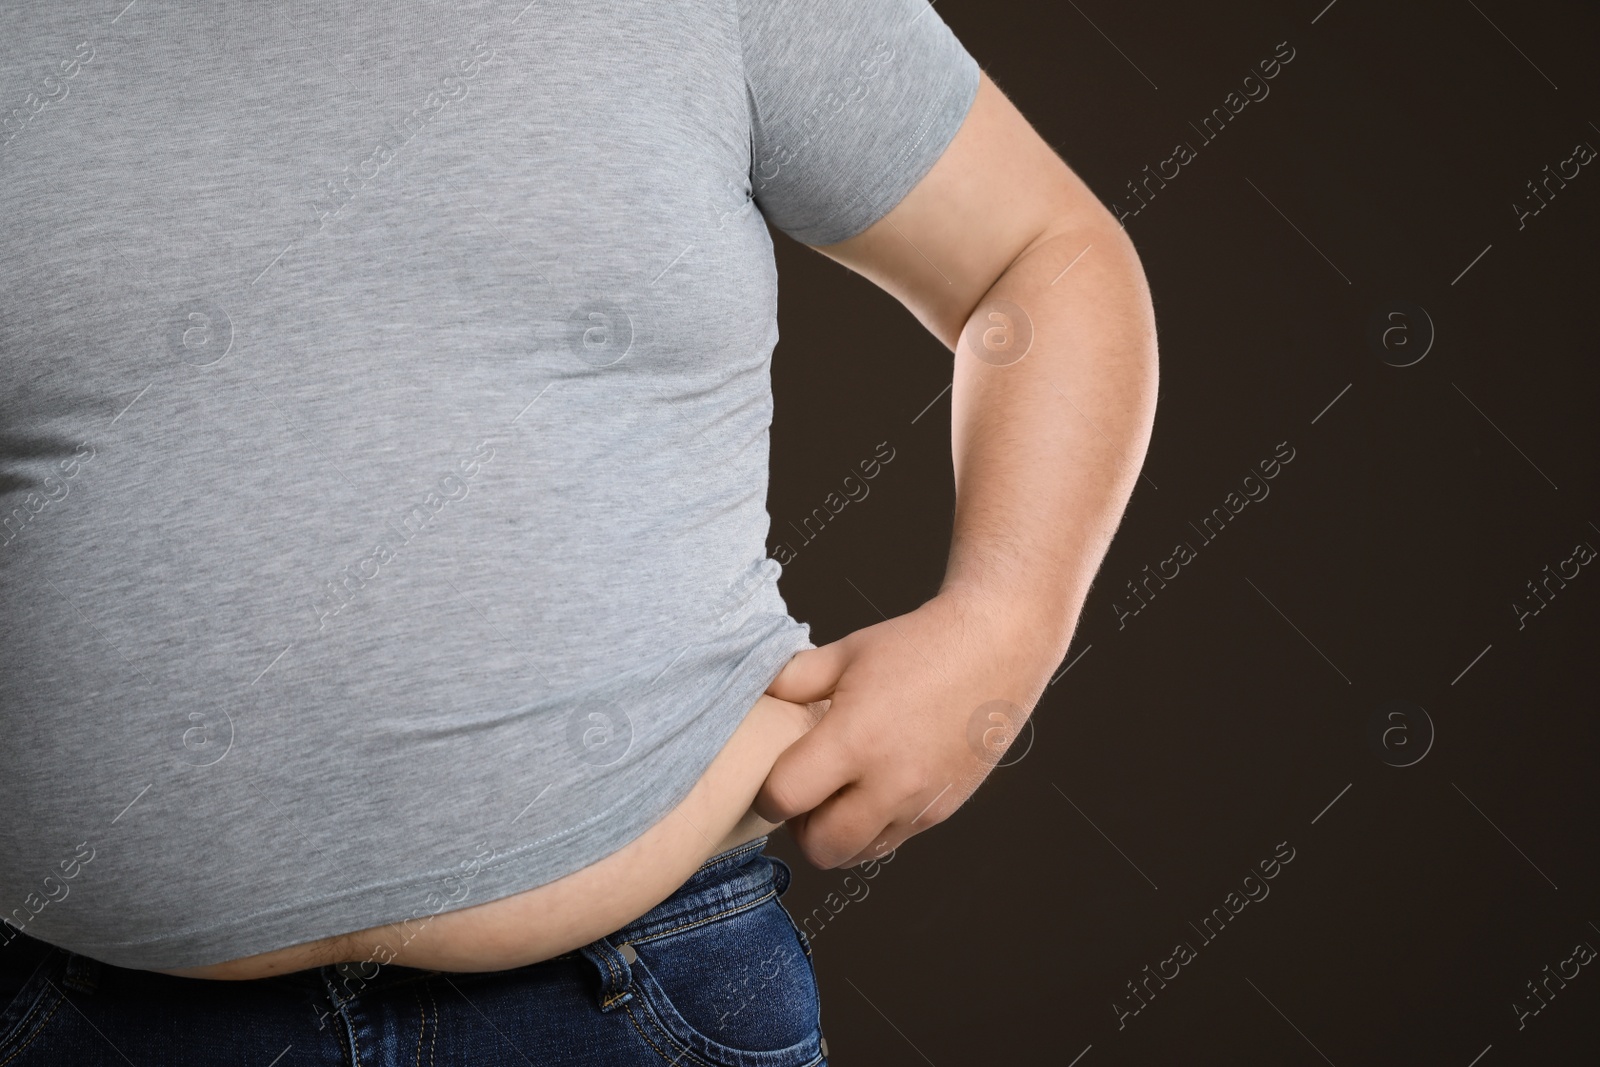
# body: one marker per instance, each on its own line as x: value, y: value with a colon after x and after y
x: 781, y: 795
x: 817, y: 853
x: 907, y: 777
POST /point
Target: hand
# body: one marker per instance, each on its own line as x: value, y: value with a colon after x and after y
x: 918, y: 710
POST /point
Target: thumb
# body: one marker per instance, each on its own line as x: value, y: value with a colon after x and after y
x: 811, y: 674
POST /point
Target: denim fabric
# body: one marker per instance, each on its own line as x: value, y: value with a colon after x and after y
x: 717, y: 975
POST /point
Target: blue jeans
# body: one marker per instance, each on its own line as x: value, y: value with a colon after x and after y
x: 717, y: 974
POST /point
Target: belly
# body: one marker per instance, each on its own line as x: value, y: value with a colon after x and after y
x: 572, y: 911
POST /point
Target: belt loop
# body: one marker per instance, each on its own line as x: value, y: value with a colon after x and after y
x: 781, y: 874
x: 612, y: 966
x: 82, y: 974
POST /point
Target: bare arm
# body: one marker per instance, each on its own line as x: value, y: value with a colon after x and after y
x: 1009, y: 259
x: 1046, y: 447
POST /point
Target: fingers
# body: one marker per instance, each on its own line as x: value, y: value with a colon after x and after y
x: 816, y: 710
x: 869, y: 818
x: 811, y: 674
x: 813, y: 767
x: 888, y: 841
x: 797, y: 825
x: 806, y: 773
x: 841, y: 827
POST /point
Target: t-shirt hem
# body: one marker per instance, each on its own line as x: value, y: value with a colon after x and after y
x: 302, y: 921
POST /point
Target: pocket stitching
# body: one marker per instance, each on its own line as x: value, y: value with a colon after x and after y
x: 37, y: 1030
x: 734, y: 910
x: 657, y: 1002
x: 734, y: 852
x: 687, y: 1051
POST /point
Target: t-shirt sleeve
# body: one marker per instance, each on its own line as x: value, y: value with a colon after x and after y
x: 851, y: 104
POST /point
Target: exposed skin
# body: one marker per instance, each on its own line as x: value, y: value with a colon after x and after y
x: 572, y: 911
x: 1046, y: 450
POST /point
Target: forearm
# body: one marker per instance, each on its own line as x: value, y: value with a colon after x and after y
x: 1046, y: 449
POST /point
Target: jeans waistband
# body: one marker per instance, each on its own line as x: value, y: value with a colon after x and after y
x: 741, y: 877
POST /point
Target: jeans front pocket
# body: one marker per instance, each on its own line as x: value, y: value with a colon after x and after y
x: 735, y: 989
x: 36, y: 999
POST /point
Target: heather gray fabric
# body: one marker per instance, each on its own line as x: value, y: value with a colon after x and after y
x: 384, y: 400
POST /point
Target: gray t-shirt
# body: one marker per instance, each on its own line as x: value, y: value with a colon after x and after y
x: 384, y: 407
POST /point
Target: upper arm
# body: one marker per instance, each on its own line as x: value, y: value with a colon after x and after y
x: 995, y: 192
x: 878, y: 140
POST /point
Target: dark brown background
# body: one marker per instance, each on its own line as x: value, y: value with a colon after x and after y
x: 1416, y: 509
